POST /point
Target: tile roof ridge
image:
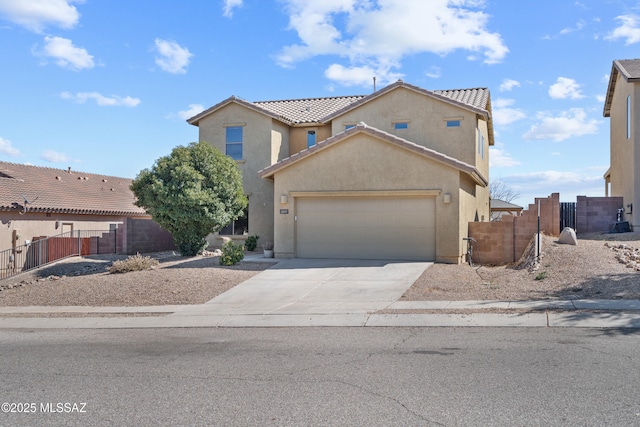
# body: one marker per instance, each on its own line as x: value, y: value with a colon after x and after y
x: 67, y: 171
x: 309, y: 99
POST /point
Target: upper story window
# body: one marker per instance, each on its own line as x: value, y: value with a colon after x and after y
x: 349, y: 126
x: 453, y: 123
x: 311, y: 138
x: 234, y: 142
x: 480, y: 143
x: 628, y: 116
x: 401, y: 125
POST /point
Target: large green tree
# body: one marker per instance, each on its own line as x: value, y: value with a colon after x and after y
x: 194, y: 191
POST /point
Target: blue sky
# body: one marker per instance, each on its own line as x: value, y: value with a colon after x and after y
x: 106, y: 86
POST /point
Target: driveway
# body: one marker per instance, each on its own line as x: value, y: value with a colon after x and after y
x: 319, y: 286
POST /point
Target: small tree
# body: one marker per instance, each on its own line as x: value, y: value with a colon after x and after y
x: 498, y: 190
x: 194, y: 191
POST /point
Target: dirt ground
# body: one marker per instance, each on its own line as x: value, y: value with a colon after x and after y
x: 592, y: 269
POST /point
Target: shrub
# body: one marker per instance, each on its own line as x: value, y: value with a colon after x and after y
x: 232, y: 253
x: 251, y: 243
x: 135, y: 262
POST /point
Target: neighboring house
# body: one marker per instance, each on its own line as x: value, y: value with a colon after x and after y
x: 622, y: 106
x: 38, y: 202
x: 501, y: 207
x: 397, y: 174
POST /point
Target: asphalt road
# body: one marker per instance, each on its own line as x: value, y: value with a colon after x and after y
x: 320, y: 377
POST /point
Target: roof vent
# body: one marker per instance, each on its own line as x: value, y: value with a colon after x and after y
x: 58, y: 178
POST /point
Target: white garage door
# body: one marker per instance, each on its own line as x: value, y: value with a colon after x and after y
x: 394, y: 228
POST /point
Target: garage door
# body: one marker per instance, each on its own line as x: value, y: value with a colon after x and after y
x: 394, y: 228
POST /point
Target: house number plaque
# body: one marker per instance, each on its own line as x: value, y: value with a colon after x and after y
x: 284, y: 211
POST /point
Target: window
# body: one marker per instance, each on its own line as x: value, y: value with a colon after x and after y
x: 311, y: 138
x: 453, y: 123
x: 480, y: 143
x: 629, y: 117
x: 238, y: 227
x: 234, y: 142
x: 401, y: 125
x: 347, y: 127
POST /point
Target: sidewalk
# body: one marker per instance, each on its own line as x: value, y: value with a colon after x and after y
x: 562, y: 313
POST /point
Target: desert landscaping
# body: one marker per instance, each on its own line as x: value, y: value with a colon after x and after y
x: 600, y: 266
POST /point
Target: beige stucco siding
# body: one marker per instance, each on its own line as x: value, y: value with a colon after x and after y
x: 264, y: 140
x: 427, y: 122
x: 625, y: 152
x: 299, y: 136
x: 34, y: 225
x: 366, y: 164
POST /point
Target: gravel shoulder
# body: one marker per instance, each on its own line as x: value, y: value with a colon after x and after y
x: 590, y: 270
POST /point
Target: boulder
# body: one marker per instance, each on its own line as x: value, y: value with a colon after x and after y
x: 568, y: 237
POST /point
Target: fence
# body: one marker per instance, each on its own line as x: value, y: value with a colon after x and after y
x: 45, y: 250
x: 567, y: 215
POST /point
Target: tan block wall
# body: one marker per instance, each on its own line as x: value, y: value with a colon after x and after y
x: 504, y: 242
x: 594, y: 214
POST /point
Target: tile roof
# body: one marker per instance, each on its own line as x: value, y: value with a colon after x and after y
x: 498, y: 204
x: 64, y: 191
x: 323, y: 110
x: 470, y: 170
x: 311, y: 110
x: 629, y: 69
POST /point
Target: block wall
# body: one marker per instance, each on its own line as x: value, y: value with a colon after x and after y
x: 144, y: 236
x: 505, y: 241
x: 596, y: 214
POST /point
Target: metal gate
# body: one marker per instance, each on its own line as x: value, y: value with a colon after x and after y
x: 567, y: 215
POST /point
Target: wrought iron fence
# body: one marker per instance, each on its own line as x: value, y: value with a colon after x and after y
x: 567, y: 215
x: 42, y: 251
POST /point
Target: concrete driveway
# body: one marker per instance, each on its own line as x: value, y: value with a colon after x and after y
x: 319, y: 286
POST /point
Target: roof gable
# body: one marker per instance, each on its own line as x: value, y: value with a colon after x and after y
x: 64, y: 191
x: 627, y: 68
x: 361, y: 127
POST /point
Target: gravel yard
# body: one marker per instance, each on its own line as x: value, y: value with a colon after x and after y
x: 589, y: 270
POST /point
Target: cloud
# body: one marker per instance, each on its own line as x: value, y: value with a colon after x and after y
x: 54, y: 156
x: 508, y: 84
x: 579, y: 25
x: 360, y: 76
x: 565, y: 88
x: 378, y: 35
x: 569, y: 124
x: 503, y: 114
x: 229, y: 5
x: 101, y: 100
x: 499, y: 158
x: 434, y: 73
x: 172, y: 58
x: 627, y: 30
x: 37, y: 14
x: 66, y: 54
x: 194, y: 109
x: 7, y: 148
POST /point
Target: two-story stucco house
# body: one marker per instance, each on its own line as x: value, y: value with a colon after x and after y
x: 397, y: 174
x: 622, y: 106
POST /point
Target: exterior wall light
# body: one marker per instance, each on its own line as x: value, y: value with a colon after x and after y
x: 284, y: 199
x: 447, y: 198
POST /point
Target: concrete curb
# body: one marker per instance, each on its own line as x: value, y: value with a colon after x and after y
x: 563, y: 313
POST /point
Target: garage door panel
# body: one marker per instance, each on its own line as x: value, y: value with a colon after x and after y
x: 400, y: 228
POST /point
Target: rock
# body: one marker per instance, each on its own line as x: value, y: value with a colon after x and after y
x: 568, y: 237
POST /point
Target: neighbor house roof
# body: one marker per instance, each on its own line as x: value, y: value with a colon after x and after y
x: 64, y: 191
x: 323, y: 110
x: 501, y: 205
x: 361, y: 127
x: 627, y: 68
